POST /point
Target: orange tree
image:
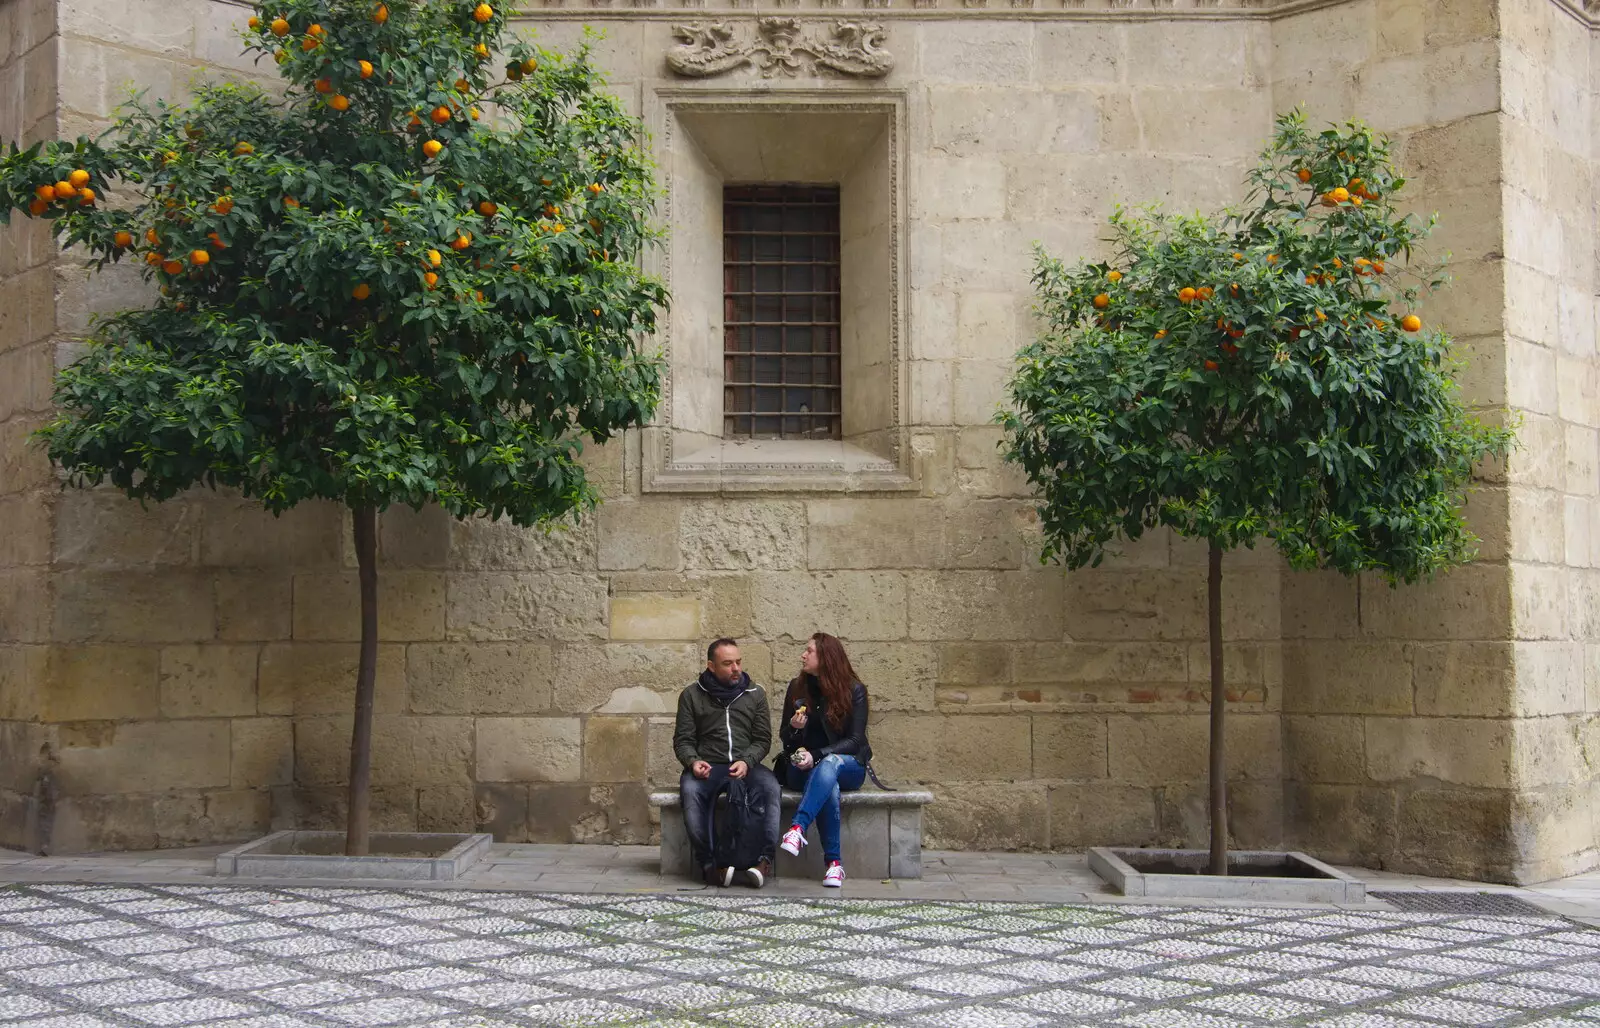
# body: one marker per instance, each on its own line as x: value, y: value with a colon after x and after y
x: 367, y: 294
x: 1254, y: 375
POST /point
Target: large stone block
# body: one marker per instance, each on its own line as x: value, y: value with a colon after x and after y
x: 411, y: 606
x: 624, y: 678
x: 239, y: 533
x: 1468, y: 679
x: 100, y: 527
x: 865, y: 534
x: 492, y: 605
x: 1460, y: 751
x: 975, y: 663
x: 588, y: 814
x: 1102, y: 814
x: 529, y: 749
x: 263, y: 752
x: 898, y: 676
x: 414, y: 538
x: 88, y: 824
x: 744, y: 536
x: 1160, y: 749
x: 1324, y: 748
x: 501, y: 809
x: 853, y: 605
x: 988, y: 817
x: 985, y: 605
x: 406, y: 751
x: 634, y: 536
x: 166, y: 606
x: 144, y: 756
x: 941, y: 748
x: 1456, y: 833
x: 1069, y: 746
x: 479, y: 678
x: 1101, y: 662
x: 1146, y: 604
x: 614, y: 749
x: 479, y: 543
x: 254, y: 606
x: 1319, y: 605
x: 203, y: 818
x: 962, y: 51
x: 447, y: 808
x: 1351, y: 824
x: 208, y: 681
x: 666, y: 617
x: 1469, y: 602
x: 320, y: 678
x: 1338, y: 677
x: 85, y: 683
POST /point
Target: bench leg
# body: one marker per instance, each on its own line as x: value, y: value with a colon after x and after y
x: 905, y: 842
x: 675, y: 855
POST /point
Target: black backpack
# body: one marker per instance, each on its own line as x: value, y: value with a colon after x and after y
x: 739, y: 839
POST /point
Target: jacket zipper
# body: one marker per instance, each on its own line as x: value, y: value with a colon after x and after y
x: 727, y: 723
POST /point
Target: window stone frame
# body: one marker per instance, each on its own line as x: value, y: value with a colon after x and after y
x: 678, y: 454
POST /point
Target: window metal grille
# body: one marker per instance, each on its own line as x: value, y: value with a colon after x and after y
x: 780, y: 273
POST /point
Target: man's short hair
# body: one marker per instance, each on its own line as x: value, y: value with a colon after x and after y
x: 711, y: 651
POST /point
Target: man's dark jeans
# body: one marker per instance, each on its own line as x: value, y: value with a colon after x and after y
x: 699, y: 798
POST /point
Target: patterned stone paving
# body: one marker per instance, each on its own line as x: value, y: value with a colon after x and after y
x: 84, y: 956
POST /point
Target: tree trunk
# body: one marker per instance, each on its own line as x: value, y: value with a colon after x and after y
x: 1219, y: 772
x: 356, y: 827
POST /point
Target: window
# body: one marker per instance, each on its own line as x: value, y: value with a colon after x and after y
x: 780, y: 320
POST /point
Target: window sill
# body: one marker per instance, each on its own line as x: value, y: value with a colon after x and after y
x: 776, y: 465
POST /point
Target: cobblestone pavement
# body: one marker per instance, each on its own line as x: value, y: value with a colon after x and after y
x: 83, y: 956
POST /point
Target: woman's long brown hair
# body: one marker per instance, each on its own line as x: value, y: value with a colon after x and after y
x: 836, y: 677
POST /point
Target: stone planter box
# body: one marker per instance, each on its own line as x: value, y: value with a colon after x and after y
x: 407, y: 856
x: 881, y: 836
x: 1278, y: 877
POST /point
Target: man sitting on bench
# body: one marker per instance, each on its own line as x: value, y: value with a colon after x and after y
x: 722, y: 734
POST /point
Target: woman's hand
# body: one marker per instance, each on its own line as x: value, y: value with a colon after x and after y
x: 798, y: 721
x: 802, y: 760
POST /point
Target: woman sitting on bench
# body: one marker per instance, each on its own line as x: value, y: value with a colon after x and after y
x: 824, y: 735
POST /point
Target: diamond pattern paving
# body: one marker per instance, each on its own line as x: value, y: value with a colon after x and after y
x: 233, y: 957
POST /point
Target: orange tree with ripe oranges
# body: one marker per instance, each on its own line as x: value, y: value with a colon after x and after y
x: 412, y: 278
x: 1255, y: 375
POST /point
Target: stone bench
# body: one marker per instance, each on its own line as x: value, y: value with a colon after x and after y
x: 882, y: 835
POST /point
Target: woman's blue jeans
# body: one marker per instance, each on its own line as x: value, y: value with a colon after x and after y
x: 819, y: 790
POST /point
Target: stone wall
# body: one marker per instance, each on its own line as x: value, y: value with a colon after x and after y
x: 186, y: 671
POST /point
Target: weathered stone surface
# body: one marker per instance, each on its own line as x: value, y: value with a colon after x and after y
x: 582, y: 813
x: 1162, y: 749
x: 480, y: 544
x: 985, y: 605
x: 898, y: 676
x: 637, y: 536
x: 86, y: 824
x: 411, y: 606
x: 935, y: 747
x: 850, y: 604
x: 490, y: 606
x: 263, y: 752
x: 104, y: 528
x: 613, y: 749
x: 529, y: 749
x: 414, y: 538
x: 479, y: 678
x: 988, y: 817
x: 144, y: 756
x: 501, y: 809
x: 138, y: 606
x: 446, y: 808
x: 624, y: 678
x: 972, y: 663
x: 1070, y: 747
x: 1101, y: 662
x: 82, y: 683
x: 254, y: 606
x: 1101, y: 814
x: 208, y: 681
x: 660, y: 617
x: 198, y: 819
x: 406, y: 751
x: 1460, y: 751
x: 1451, y: 833
x: 766, y: 536
x: 320, y: 678
x: 1324, y: 748
x: 239, y: 533
x: 1347, y: 678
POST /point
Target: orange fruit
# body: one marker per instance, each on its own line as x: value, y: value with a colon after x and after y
x: 1238, y: 256
x: 152, y: 258
x: 1186, y: 295
x: 1211, y: 365
x: 339, y: 102
x: 432, y: 147
x: 434, y: 258
x: 1354, y: 186
x: 514, y: 73
x: 79, y: 178
x: 482, y: 13
x: 1377, y: 266
x: 172, y: 267
x: 558, y: 227
x: 596, y: 188
x: 290, y: 201
x: 45, y: 193
x: 440, y: 115
x: 254, y: 22
x: 223, y: 206
x: 1340, y: 195
x: 461, y: 241
x: 516, y: 267
x: 431, y: 279
x: 122, y: 240
x: 1321, y: 316
x: 1338, y: 263
x: 1205, y: 292
x: 279, y: 27
x: 1411, y: 323
x: 151, y: 237
x: 361, y: 292
x: 545, y: 181
x: 315, y: 30
x: 462, y: 85
x: 1272, y: 258
x: 323, y: 85
x: 474, y: 113
x: 309, y: 44
x: 1113, y: 276
x: 280, y: 55
x: 1304, y: 174
x: 1161, y: 333
x: 481, y: 51
x: 64, y: 190
x: 216, y: 241
x: 86, y: 195
x: 1102, y: 301
x: 365, y: 67
x: 199, y: 257
x: 487, y: 209
x: 37, y: 207
x: 529, y: 66
x: 242, y: 149
x: 380, y: 14
x: 1233, y: 289
x: 1356, y: 200
x: 1362, y: 262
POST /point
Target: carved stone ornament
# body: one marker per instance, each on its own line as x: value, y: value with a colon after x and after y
x: 779, y: 47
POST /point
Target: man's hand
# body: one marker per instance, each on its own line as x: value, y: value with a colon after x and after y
x: 700, y: 769
x: 738, y: 769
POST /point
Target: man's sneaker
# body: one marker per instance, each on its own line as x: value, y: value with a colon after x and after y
x: 759, y: 874
x: 722, y: 876
x: 793, y: 839
x: 834, y: 878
